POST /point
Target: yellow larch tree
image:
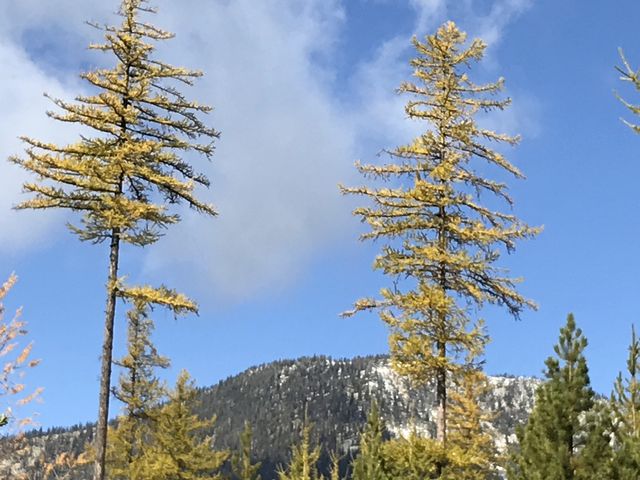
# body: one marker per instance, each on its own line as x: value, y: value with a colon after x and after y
x: 369, y: 464
x: 303, y: 464
x: 414, y: 457
x: 141, y: 394
x: 440, y: 243
x: 472, y: 453
x: 242, y: 465
x: 129, y: 165
x: 178, y: 451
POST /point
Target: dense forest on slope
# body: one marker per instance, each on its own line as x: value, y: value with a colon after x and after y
x: 337, y: 395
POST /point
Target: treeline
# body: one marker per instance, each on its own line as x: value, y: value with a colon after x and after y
x: 572, y: 433
x: 336, y: 393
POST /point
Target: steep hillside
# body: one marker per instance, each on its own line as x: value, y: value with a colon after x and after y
x: 337, y: 395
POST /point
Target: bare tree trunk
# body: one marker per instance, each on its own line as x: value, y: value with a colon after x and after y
x: 107, y: 354
x: 441, y: 398
x: 441, y: 402
x: 441, y: 375
x: 110, y: 312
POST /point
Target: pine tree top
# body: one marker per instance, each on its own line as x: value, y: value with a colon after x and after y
x: 625, y: 399
x: 561, y: 432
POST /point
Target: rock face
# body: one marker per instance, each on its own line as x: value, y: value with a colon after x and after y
x: 336, y: 394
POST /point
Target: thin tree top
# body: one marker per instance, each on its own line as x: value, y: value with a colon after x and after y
x: 124, y: 173
x: 625, y: 398
x: 431, y: 215
x: 568, y: 370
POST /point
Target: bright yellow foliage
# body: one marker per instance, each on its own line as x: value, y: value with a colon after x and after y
x: 413, y: 458
x: 128, y: 166
x: 141, y: 393
x: 472, y: 454
x: 142, y: 125
x: 176, y: 452
x: 147, y: 296
x: 303, y: 464
x: 440, y: 243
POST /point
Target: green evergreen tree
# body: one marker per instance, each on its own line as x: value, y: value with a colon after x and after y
x: 440, y: 243
x: 128, y: 165
x: 595, y: 461
x: 179, y: 452
x: 243, y: 468
x: 141, y: 393
x: 369, y: 464
x: 625, y: 403
x: 558, y: 429
x: 303, y: 464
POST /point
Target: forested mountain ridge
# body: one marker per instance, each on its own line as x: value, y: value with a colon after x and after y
x: 337, y: 395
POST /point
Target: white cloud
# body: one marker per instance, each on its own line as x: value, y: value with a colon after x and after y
x: 379, y: 111
x: 491, y: 27
x: 473, y: 15
x: 23, y: 82
x: 286, y: 140
x: 430, y: 12
x: 18, y: 17
x: 23, y: 109
x: 381, y: 114
x: 285, y: 145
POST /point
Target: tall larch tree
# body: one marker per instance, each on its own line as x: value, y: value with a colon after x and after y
x: 559, y: 428
x: 129, y: 165
x: 625, y: 403
x: 179, y: 451
x: 440, y: 244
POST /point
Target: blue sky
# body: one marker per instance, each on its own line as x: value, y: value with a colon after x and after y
x: 303, y: 88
